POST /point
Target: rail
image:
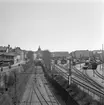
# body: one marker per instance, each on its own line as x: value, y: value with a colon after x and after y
x: 99, y: 75
x: 85, y: 78
x: 91, y: 81
x: 93, y: 90
x: 88, y: 79
x: 81, y: 77
x: 40, y: 96
x: 56, y: 101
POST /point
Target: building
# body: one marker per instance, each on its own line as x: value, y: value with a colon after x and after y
x: 38, y: 53
x: 99, y: 54
x: 80, y: 54
x: 6, y: 58
x: 6, y: 55
x: 19, y: 54
x: 60, y: 54
x: 4, y: 49
x: 17, y: 58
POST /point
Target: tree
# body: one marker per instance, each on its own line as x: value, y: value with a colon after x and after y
x: 46, y: 55
x: 9, y: 80
x: 30, y: 55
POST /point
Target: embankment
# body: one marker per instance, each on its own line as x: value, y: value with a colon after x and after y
x: 16, y: 90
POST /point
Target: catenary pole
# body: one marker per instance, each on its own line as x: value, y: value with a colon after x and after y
x: 69, y: 78
x: 102, y: 64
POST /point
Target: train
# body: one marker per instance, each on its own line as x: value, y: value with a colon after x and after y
x: 90, y: 65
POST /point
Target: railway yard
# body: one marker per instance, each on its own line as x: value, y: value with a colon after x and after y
x: 47, y: 83
x: 52, y: 52
x: 93, y: 85
x: 37, y: 91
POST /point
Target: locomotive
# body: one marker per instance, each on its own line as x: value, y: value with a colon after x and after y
x: 90, y: 65
x: 63, y: 61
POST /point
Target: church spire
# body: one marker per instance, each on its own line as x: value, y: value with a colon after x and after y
x: 39, y: 49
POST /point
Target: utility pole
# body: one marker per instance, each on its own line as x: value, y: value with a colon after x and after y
x: 102, y: 64
x: 69, y: 77
x: 80, y: 61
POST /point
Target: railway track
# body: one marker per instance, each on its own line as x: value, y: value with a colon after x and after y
x: 86, y: 78
x: 38, y: 83
x: 99, y: 75
x: 29, y: 100
x: 40, y: 96
x: 83, y: 77
x: 50, y: 94
x: 37, y: 92
x: 91, y: 81
x: 41, y: 99
x: 93, y: 89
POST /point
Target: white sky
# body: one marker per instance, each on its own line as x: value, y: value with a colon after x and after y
x: 58, y: 26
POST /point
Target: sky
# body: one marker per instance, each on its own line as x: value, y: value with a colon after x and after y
x: 56, y: 25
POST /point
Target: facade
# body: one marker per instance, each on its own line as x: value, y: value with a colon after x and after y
x: 19, y: 54
x: 60, y: 54
x: 80, y: 54
x: 99, y: 54
x: 6, y: 58
x: 6, y: 55
x: 86, y: 54
x: 4, y: 49
x: 9, y: 55
x: 17, y: 58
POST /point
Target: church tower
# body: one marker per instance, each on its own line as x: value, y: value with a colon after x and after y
x: 39, y: 52
x: 39, y: 49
